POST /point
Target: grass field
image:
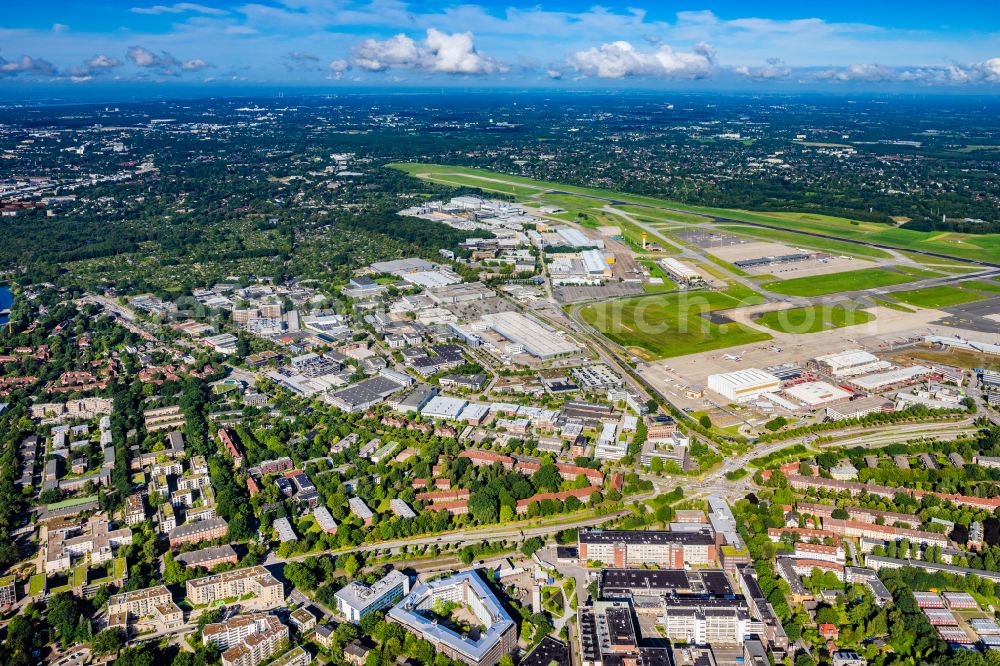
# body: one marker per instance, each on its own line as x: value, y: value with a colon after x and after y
x: 663, y: 215
x: 670, y: 325
x: 969, y: 246
x: 814, y: 319
x: 982, y: 285
x: 941, y: 296
x: 71, y: 502
x: 892, y: 306
x: 817, y: 285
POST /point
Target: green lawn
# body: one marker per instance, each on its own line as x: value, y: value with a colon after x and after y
x: 891, y: 305
x: 670, y: 325
x: 817, y: 285
x: 71, y: 502
x: 983, y: 285
x: 663, y: 215
x: 969, y: 246
x: 941, y: 296
x: 814, y: 319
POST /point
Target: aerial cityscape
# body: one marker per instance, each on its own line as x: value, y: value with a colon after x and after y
x: 428, y: 334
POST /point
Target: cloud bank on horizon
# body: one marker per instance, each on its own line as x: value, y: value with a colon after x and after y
x: 391, y: 41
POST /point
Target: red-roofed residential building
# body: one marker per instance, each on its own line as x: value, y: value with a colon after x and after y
x: 480, y: 458
x: 227, y: 441
x: 443, y: 495
x: 582, y: 494
x: 459, y: 508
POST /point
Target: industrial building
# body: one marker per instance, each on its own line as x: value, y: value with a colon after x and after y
x: 680, y: 272
x: 498, y: 638
x: 814, y: 394
x: 849, y: 363
x: 883, y: 381
x: 444, y: 408
x: 744, y: 385
x: 527, y: 335
x: 854, y: 409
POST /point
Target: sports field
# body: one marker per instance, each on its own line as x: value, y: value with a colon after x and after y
x: 941, y: 296
x: 969, y: 246
x: 655, y: 327
x: 818, y: 285
x: 814, y: 319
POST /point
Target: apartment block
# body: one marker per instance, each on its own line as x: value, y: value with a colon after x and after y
x: 255, y: 581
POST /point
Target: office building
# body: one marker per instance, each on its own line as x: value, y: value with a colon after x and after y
x: 623, y: 548
x: 499, y: 634
x: 356, y: 600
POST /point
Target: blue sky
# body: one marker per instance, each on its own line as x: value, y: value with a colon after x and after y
x: 329, y: 43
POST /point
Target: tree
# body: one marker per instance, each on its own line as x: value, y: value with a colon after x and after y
x: 840, y: 514
x: 351, y: 565
x: 547, y: 478
x: 704, y: 421
x: 108, y: 641
x: 532, y: 546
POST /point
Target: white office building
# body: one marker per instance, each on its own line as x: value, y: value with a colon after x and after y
x: 357, y: 600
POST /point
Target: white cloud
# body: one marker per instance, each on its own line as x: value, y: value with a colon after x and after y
x: 102, y: 61
x: 860, y: 72
x: 179, y: 8
x: 984, y: 72
x: 375, y: 55
x: 621, y: 59
x: 143, y: 57
x: 27, y: 65
x: 774, y: 69
x: 439, y: 52
x: 59, y: 28
x: 339, y: 65
x: 991, y: 70
x: 195, y: 65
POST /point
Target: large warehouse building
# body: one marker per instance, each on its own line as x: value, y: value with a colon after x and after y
x: 814, y: 394
x: 884, y: 381
x: 528, y: 335
x: 744, y: 385
x: 680, y: 272
x: 849, y: 363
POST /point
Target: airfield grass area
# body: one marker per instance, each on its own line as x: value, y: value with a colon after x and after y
x: 664, y: 215
x: 968, y: 246
x: 654, y: 327
x: 941, y: 296
x: 818, y: 285
x: 982, y: 285
x: 814, y: 319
